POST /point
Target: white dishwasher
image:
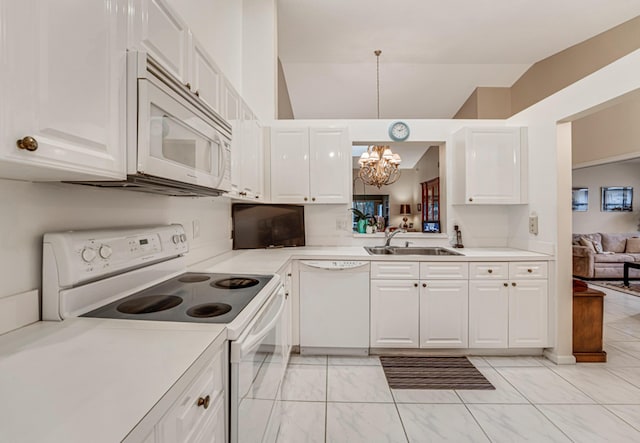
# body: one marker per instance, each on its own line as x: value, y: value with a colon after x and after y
x: 334, y: 307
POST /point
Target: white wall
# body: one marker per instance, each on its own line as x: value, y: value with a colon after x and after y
x: 614, y: 174
x: 31, y: 209
x: 550, y: 177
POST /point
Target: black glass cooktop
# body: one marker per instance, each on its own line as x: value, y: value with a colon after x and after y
x: 191, y: 297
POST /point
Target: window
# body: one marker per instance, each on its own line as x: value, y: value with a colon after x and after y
x: 376, y: 205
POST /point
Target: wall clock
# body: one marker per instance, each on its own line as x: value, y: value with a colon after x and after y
x: 399, y: 131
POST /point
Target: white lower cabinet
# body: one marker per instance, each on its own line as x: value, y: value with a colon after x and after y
x: 394, y: 319
x: 444, y: 310
x: 510, y: 312
x: 197, y: 414
x: 528, y: 314
x: 488, y: 314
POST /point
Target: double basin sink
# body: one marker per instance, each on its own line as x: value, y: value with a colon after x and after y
x: 398, y: 250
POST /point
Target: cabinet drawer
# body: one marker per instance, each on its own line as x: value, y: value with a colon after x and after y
x: 444, y: 270
x: 525, y: 269
x: 185, y: 420
x: 394, y: 270
x: 489, y: 270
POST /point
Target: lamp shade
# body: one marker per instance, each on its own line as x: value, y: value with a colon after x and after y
x: 405, y: 209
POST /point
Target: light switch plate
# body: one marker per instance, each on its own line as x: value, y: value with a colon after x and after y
x: 533, y: 225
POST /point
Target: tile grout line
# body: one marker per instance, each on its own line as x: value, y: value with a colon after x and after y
x: 551, y: 421
x: 621, y: 418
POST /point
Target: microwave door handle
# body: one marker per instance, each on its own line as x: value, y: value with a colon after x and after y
x: 256, y: 338
x: 223, y: 157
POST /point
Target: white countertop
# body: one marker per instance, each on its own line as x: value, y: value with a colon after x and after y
x: 91, y: 380
x: 88, y: 379
x: 269, y: 261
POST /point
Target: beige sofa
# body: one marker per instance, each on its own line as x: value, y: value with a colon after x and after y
x: 589, y: 264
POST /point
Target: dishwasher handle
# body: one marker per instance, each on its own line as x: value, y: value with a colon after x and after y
x: 335, y: 265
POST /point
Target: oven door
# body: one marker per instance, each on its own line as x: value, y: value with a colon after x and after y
x: 257, y: 368
x: 177, y: 141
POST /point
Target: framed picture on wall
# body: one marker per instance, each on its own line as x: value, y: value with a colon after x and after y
x: 580, y: 199
x: 617, y: 199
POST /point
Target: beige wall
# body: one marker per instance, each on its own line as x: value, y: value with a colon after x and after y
x: 614, y: 174
x: 611, y: 133
x: 285, y: 111
x: 469, y: 109
x: 487, y: 103
x: 554, y: 73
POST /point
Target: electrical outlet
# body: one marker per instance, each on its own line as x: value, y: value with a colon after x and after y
x: 533, y: 225
x: 196, y: 228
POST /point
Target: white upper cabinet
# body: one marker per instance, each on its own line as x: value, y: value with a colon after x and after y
x: 230, y: 102
x: 310, y: 165
x: 159, y: 31
x: 63, y: 90
x: 247, y: 157
x: 490, y: 166
x: 206, y: 77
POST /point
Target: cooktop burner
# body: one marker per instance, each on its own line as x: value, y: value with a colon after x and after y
x: 194, y: 278
x: 235, y: 283
x: 208, y: 310
x: 148, y: 304
x: 190, y: 297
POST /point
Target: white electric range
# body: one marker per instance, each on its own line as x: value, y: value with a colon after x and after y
x: 139, y: 274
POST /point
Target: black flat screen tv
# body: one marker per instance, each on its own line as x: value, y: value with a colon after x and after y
x: 267, y: 226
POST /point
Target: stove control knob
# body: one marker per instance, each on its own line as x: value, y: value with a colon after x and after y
x: 88, y: 254
x: 105, y: 251
x: 175, y: 239
x: 183, y: 238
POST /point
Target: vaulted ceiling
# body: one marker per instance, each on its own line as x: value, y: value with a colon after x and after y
x: 434, y: 53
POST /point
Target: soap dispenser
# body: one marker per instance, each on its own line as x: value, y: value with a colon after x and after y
x: 458, y: 232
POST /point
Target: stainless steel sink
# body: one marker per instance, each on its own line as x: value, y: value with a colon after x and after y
x: 397, y: 250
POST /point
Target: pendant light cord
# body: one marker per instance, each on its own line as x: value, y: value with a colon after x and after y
x: 377, y: 52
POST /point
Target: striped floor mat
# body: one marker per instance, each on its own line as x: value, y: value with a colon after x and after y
x: 433, y: 373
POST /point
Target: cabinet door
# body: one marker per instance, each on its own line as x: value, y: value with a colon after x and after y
x: 63, y: 83
x: 159, y: 31
x: 528, y: 314
x: 232, y: 107
x: 394, y: 314
x: 493, y: 166
x: 290, y: 165
x: 206, y: 77
x: 444, y: 310
x: 488, y: 314
x: 330, y: 167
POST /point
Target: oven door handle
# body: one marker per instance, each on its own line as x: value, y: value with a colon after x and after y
x: 254, y: 339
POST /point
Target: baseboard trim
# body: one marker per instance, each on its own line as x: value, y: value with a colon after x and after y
x: 551, y: 355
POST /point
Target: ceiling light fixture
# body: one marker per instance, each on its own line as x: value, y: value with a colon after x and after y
x: 378, y: 164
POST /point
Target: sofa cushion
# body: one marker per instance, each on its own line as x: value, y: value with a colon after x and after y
x: 633, y: 245
x: 615, y: 242
x: 635, y: 256
x: 595, y: 236
x: 587, y: 243
x: 613, y: 258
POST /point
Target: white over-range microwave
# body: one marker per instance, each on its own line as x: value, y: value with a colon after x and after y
x: 176, y: 145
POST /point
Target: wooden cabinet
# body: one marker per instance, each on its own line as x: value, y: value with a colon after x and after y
x: 310, y: 165
x: 63, y: 84
x: 490, y: 166
x: 431, y: 206
x: 509, y: 312
x: 394, y: 314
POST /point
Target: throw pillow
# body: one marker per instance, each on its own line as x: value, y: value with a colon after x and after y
x: 633, y: 245
x: 597, y: 246
x: 584, y: 241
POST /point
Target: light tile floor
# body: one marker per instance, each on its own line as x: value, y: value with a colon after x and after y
x: 347, y: 399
